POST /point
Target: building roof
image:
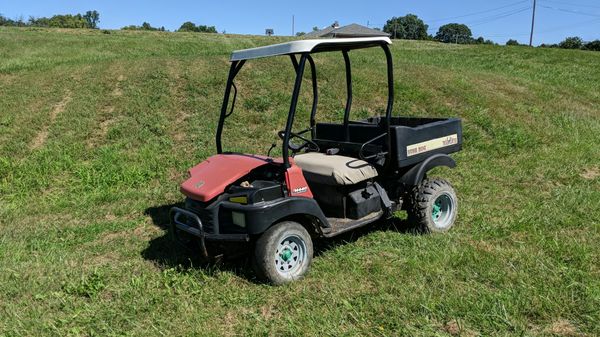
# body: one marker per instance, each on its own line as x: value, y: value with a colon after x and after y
x: 309, y: 46
x: 351, y: 30
x: 320, y: 33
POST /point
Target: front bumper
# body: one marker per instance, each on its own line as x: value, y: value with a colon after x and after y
x: 190, y: 223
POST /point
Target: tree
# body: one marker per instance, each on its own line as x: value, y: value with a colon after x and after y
x: 189, y: 26
x: 144, y: 26
x: 300, y: 33
x: 4, y: 21
x: 408, y: 27
x: 67, y: 21
x: 512, y: 42
x: 207, y: 29
x: 315, y: 28
x: 571, y: 43
x: 92, y: 18
x: 454, y: 33
x: 593, y: 45
x: 89, y: 20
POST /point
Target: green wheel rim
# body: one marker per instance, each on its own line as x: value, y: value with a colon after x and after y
x: 442, y: 211
x: 290, y: 256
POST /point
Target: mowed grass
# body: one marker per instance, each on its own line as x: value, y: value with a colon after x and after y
x: 97, y: 131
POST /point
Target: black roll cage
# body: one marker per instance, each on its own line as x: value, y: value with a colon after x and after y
x: 299, y: 66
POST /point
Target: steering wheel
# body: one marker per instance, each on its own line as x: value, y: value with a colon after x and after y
x: 308, y: 143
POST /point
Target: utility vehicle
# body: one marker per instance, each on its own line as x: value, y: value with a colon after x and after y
x: 331, y: 177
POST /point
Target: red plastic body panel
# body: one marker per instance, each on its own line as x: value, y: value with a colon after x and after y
x: 294, y: 179
x: 210, y: 178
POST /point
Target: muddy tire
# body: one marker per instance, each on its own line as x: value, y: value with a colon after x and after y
x: 283, y: 253
x: 432, y: 206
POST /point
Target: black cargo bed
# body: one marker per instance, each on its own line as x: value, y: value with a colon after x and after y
x: 412, y: 139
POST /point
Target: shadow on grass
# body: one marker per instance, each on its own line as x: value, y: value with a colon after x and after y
x: 236, y: 257
x: 321, y: 246
x: 166, y: 253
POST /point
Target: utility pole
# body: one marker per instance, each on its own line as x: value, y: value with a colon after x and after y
x: 532, y: 24
x: 292, y: 25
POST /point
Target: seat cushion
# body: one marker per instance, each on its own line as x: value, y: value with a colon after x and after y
x: 334, y: 169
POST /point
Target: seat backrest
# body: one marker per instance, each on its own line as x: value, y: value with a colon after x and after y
x: 329, y: 135
x: 357, y: 133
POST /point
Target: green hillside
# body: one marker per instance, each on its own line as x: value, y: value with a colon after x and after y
x: 97, y: 131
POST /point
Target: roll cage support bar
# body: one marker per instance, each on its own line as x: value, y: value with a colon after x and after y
x: 299, y: 66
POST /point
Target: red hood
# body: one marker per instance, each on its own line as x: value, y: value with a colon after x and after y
x: 210, y: 178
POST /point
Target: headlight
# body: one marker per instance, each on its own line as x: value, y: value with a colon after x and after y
x: 238, y: 219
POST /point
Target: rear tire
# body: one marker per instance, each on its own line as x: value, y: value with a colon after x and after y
x: 283, y: 253
x: 432, y: 206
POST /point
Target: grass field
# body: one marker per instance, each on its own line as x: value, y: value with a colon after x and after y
x: 97, y: 131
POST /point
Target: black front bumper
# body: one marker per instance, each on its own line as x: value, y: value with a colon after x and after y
x: 192, y: 225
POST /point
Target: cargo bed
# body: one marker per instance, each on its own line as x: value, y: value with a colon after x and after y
x: 411, y: 139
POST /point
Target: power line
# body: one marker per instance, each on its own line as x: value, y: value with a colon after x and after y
x: 554, y: 29
x: 570, y: 4
x: 570, y: 11
x: 471, y: 14
x: 480, y: 12
x: 498, y: 16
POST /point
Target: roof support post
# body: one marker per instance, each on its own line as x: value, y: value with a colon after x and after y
x: 294, y: 61
x: 313, y: 112
x: 292, y: 112
x: 390, y: 76
x: 349, y: 93
x: 390, y: 103
x: 236, y: 66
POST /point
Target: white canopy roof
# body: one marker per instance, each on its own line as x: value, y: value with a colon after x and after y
x: 308, y: 46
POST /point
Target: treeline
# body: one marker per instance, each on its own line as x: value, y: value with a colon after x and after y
x: 411, y: 27
x: 90, y: 20
x: 144, y: 26
x: 575, y: 42
x: 185, y: 27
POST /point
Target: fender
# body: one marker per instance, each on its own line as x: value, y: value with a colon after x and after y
x: 416, y: 173
x: 261, y: 216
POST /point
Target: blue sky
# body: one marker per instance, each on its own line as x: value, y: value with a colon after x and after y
x: 497, y: 20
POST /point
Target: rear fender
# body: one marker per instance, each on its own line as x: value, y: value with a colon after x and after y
x: 416, y: 174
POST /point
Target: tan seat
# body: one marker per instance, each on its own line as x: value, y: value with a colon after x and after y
x: 334, y: 169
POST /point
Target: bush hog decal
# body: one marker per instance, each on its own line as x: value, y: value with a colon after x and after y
x: 296, y: 182
x: 300, y: 190
x: 431, y: 145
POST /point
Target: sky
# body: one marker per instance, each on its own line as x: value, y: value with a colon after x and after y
x: 497, y: 20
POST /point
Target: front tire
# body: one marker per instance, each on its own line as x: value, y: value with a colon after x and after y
x: 433, y: 206
x: 283, y: 253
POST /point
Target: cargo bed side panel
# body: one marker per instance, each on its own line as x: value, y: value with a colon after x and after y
x: 414, y: 144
